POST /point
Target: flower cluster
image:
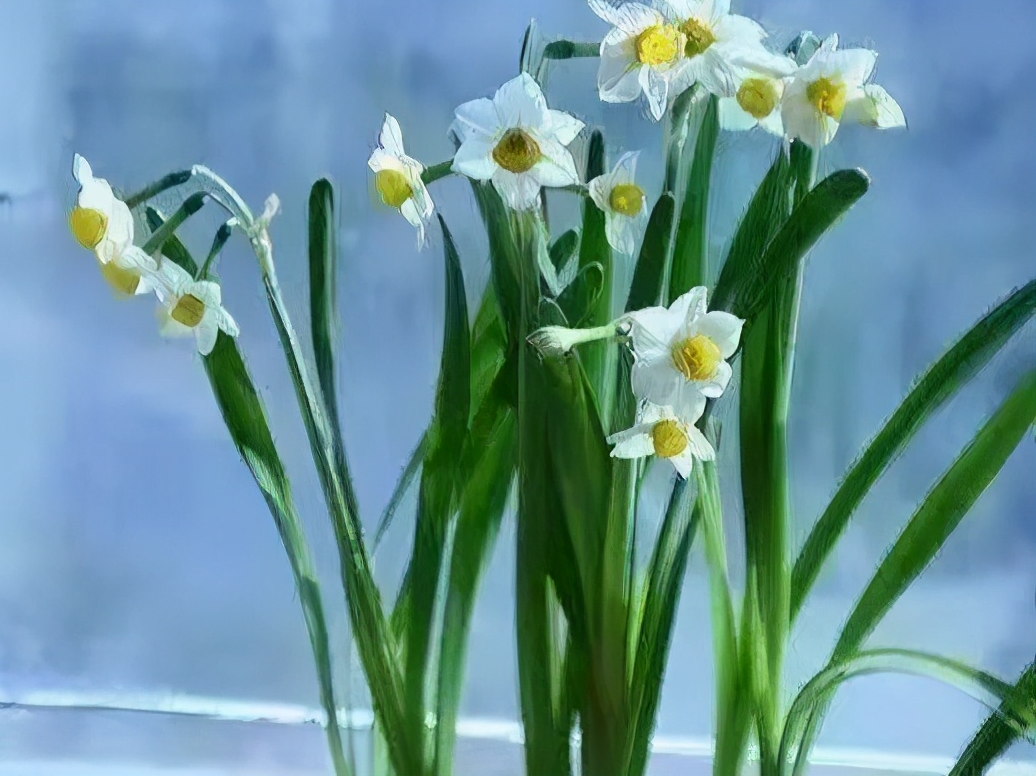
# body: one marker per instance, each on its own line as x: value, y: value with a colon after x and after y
x: 103, y: 223
x: 656, y: 51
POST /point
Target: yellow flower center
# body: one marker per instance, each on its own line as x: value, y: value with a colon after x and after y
x: 124, y: 281
x: 517, y: 152
x: 668, y: 438
x: 697, y: 357
x: 827, y: 96
x: 699, y: 37
x: 758, y: 97
x: 658, y: 45
x: 189, y: 311
x: 393, y: 187
x: 88, y: 226
x: 627, y: 199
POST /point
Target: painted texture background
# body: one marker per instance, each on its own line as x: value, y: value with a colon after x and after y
x: 135, y: 553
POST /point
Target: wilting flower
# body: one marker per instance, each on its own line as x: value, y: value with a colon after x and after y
x: 191, y: 307
x: 832, y: 88
x: 102, y: 223
x: 718, y: 44
x: 622, y: 201
x: 516, y: 141
x: 757, y: 101
x: 680, y: 353
x: 639, y: 56
x: 398, y: 178
x: 659, y: 431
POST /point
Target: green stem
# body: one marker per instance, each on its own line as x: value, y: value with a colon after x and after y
x: 568, y: 49
x: 437, y: 171
x: 222, y: 235
x: 190, y: 206
x: 170, y: 181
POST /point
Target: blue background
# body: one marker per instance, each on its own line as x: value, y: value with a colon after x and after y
x: 136, y: 554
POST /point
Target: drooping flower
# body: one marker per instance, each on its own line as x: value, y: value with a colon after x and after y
x: 622, y: 201
x: 191, y: 307
x: 398, y: 178
x: 102, y: 223
x: 516, y: 141
x: 660, y: 431
x: 757, y: 101
x: 680, y: 353
x: 831, y: 88
x: 718, y: 45
x: 639, y: 55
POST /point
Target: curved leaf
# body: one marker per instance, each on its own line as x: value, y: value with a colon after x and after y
x: 1001, y: 728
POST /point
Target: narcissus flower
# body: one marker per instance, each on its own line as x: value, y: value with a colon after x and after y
x: 717, y: 45
x: 102, y: 223
x: 516, y: 141
x: 191, y: 307
x: 659, y: 431
x: 680, y: 353
x: 831, y: 88
x: 757, y: 101
x: 398, y: 178
x: 639, y: 56
x: 622, y: 201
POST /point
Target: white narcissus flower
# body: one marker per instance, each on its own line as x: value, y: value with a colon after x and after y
x: 757, y: 101
x: 622, y: 201
x: 516, y: 141
x: 718, y: 44
x: 191, y: 307
x: 830, y: 88
x: 659, y: 431
x: 639, y: 56
x: 102, y: 223
x: 680, y: 353
x: 398, y: 178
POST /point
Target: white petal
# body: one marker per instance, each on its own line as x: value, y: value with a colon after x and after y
x: 734, y: 118
x: 656, y: 381
x: 81, y: 170
x: 875, y: 108
x: 803, y: 121
x: 421, y: 199
x: 519, y: 192
x: 474, y: 158
x: 205, y: 334
x: 713, y: 387
x: 620, y: 231
x: 761, y: 61
x: 171, y: 280
x: 683, y: 463
x: 96, y: 194
x: 828, y: 45
x: 623, y: 87
x: 168, y: 327
x: 717, y: 74
x: 656, y: 91
x: 564, y: 126
x: 600, y: 192
x: 722, y: 328
x: 225, y: 322
x: 738, y: 29
x: 380, y: 159
x: 652, y: 413
x: 636, y: 446
x: 698, y: 445
x: 414, y: 217
x: 689, y: 306
x: 477, y: 117
x: 653, y: 329
x: 688, y: 402
x: 134, y: 258
x: 773, y: 123
x: 391, y: 139
x: 207, y: 292
x: 715, y: 9
x: 520, y: 103
x: 557, y: 167
x: 854, y: 65
x: 630, y: 18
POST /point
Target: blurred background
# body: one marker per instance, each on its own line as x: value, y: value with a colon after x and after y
x: 138, y: 559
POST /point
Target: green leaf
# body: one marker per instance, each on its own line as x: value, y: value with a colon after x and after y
x: 690, y: 250
x: 979, y: 684
x: 939, y: 383
x: 162, y: 233
x: 586, y: 288
x: 1017, y: 711
x: 172, y: 249
x: 563, y: 249
x: 567, y: 49
x: 747, y: 292
x: 594, y: 249
x: 646, y: 287
x: 446, y: 440
x: 245, y: 417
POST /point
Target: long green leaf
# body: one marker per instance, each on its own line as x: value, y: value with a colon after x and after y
x: 979, y: 684
x: 598, y: 357
x: 447, y: 435
x: 746, y: 292
x: 1001, y: 728
x: 646, y: 287
x: 938, y: 385
x: 245, y: 417
x: 690, y: 249
x: 172, y: 249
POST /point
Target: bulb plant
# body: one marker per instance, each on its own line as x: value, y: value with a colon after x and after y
x: 565, y: 387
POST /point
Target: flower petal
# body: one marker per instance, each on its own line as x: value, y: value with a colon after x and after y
x: 734, y: 118
x: 391, y: 138
x: 656, y: 382
x: 722, y: 328
x: 519, y: 191
x: 854, y: 65
x: 81, y: 170
x: 618, y: 80
x: 476, y: 117
x: 556, y: 167
x: 875, y: 108
x: 652, y: 413
x: 474, y: 159
x: 637, y: 445
x: 689, y: 306
x: 688, y: 402
x: 564, y: 126
x: 698, y: 445
x: 683, y: 463
x: 773, y: 123
x: 207, y: 292
x: 227, y: 323
x: 652, y: 330
x: 656, y: 91
x: 732, y: 28
x: 599, y: 190
x: 205, y: 334
x: 520, y: 103
x: 620, y: 232
x: 630, y: 18
x: 713, y: 387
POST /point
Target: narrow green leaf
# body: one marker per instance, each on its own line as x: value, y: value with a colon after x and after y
x: 406, y: 479
x: 563, y: 249
x: 938, y: 385
x: 245, y: 417
x: 1001, y: 728
x: 646, y: 287
x: 690, y: 250
x: 162, y: 233
x: 747, y: 292
x: 594, y: 249
x: 567, y: 49
x: 172, y: 249
x: 982, y: 686
x: 585, y: 289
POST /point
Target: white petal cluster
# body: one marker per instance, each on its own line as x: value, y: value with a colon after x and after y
x: 623, y: 203
x: 398, y: 178
x: 660, y: 431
